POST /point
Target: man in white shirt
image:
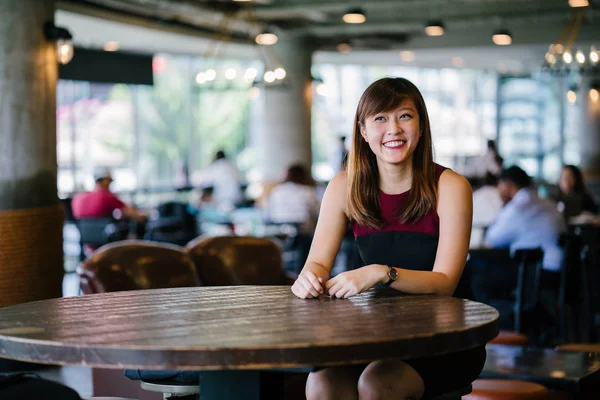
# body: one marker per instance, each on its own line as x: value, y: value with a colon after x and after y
x: 225, y: 179
x: 525, y: 222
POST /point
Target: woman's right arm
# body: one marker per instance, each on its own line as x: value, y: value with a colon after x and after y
x: 331, y: 227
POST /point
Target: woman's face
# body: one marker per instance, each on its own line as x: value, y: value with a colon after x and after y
x: 566, y: 181
x: 393, y: 135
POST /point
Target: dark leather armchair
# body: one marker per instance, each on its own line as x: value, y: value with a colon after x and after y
x: 238, y: 260
x: 134, y: 264
x: 131, y: 265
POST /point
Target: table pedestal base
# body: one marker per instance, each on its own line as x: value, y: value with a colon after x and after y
x: 230, y: 385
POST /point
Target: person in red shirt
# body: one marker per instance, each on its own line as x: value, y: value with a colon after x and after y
x: 101, y: 202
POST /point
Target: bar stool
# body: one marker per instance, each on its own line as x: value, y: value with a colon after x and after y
x: 583, y: 347
x: 171, y: 389
x: 510, y: 338
x: 507, y: 389
x: 454, y: 395
x: 107, y: 398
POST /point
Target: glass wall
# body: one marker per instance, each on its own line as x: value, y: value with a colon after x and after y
x: 161, y: 136
x: 538, y: 127
x: 165, y: 136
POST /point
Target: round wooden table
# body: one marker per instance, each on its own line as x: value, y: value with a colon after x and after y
x: 239, y: 327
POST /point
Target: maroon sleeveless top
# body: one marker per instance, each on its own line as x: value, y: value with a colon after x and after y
x: 403, y: 245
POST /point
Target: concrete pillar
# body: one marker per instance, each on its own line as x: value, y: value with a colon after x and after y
x: 31, y: 258
x: 590, y: 133
x: 287, y: 123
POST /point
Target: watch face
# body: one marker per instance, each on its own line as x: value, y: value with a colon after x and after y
x: 393, y: 274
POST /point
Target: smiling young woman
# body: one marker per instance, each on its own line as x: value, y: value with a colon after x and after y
x: 412, y: 223
x: 385, y: 96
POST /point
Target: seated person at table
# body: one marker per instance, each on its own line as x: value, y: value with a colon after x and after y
x: 412, y: 221
x: 486, y: 206
x: 226, y: 181
x: 294, y: 201
x: 101, y: 202
x: 573, y: 197
x: 525, y: 222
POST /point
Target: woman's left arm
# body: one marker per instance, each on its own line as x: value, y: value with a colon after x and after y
x: 455, y: 209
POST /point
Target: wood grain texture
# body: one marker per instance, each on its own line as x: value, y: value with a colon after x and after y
x: 241, y: 327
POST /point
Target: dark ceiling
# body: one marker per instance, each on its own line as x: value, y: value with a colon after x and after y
x: 390, y: 23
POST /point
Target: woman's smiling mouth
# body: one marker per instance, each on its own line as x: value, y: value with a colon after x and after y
x: 394, y: 144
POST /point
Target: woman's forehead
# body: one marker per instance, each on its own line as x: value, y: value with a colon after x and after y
x: 404, y: 105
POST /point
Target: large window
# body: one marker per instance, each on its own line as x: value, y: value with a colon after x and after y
x: 537, y: 126
x: 153, y: 136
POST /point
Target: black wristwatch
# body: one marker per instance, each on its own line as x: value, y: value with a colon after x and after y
x: 392, y: 275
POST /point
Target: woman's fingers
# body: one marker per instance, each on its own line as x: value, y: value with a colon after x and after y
x: 312, y: 278
x: 308, y: 286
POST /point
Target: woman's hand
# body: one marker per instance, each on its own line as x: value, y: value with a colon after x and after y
x: 308, y: 285
x: 356, y: 281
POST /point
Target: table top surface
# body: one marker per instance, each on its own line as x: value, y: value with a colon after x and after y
x: 562, y: 370
x: 239, y: 327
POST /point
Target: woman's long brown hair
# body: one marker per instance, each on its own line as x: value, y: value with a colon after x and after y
x: 363, y: 175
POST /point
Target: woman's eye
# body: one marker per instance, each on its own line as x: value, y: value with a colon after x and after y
x: 404, y: 116
x: 380, y: 118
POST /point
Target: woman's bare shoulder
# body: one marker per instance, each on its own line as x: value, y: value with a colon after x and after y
x: 452, y: 186
x: 337, y: 190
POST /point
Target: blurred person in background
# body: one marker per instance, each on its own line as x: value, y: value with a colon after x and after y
x: 295, y: 200
x: 340, y: 155
x: 525, y: 222
x: 226, y: 181
x: 101, y: 202
x: 573, y: 197
x: 486, y: 206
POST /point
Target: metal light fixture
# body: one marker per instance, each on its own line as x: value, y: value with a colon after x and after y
x: 355, y: 16
x: 434, y: 28
x: 266, y: 38
x: 579, y: 3
x: 344, y: 48
x: 63, y: 38
x: 502, y: 37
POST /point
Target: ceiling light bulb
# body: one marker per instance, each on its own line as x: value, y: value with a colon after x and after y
x: 567, y: 57
x: 434, y: 28
x: 230, y: 74
x: 211, y: 74
x: 580, y: 57
x: 571, y: 96
x: 279, y: 73
x: 354, y: 16
x: 579, y: 3
x: 322, y: 89
x: 266, y: 38
x: 594, y: 56
x: 269, y: 77
x: 250, y: 74
x: 407, y: 56
x: 344, y: 48
x: 111, y: 46
x: 64, y: 51
x: 502, y: 38
x: 594, y: 95
x: 201, y: 78
x: 550, y: 58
